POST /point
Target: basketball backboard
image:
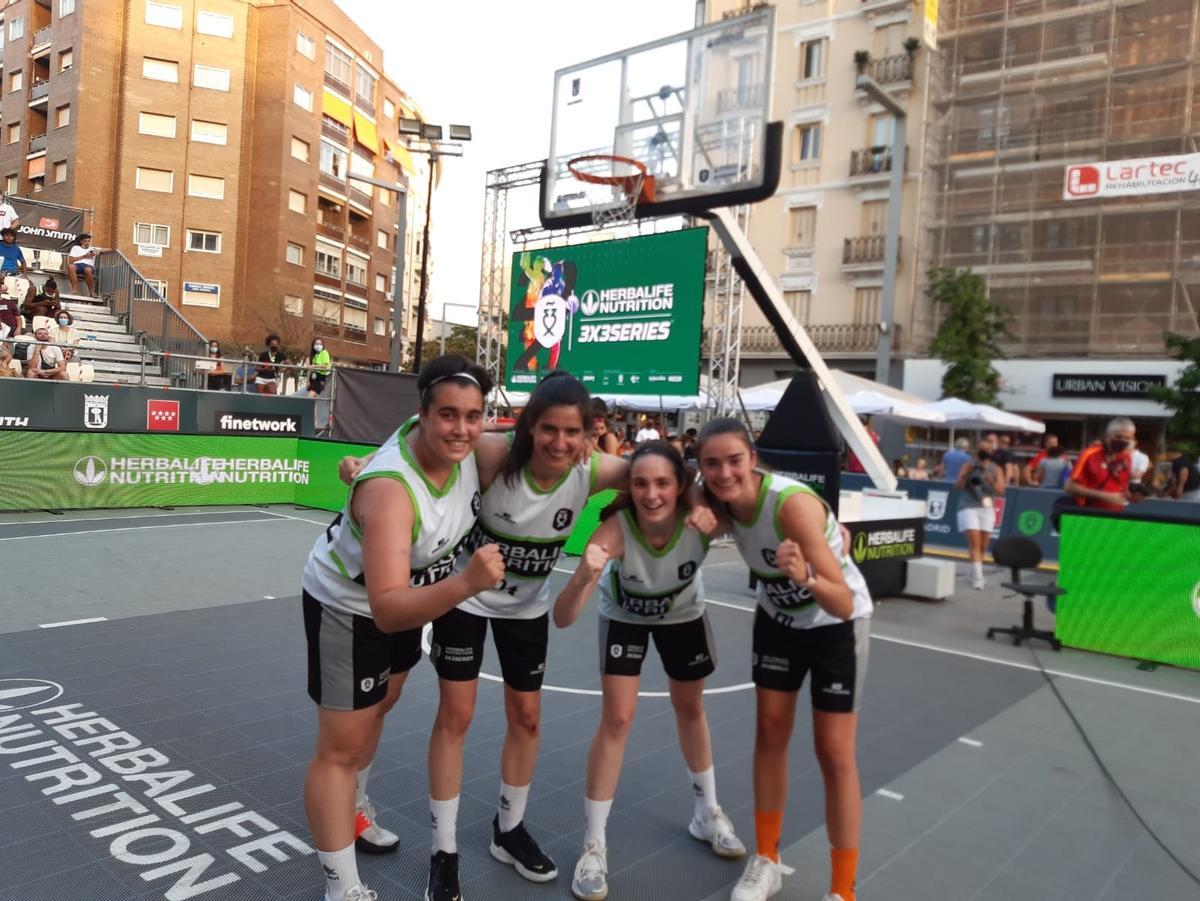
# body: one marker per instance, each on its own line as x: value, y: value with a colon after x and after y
x: 691, y: 108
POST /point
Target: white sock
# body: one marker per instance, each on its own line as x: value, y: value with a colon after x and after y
x: 360, y: 787
x: 512, y: 805
x: 444, y: 815
x: 595, y: 818
x: 704, y: 786
x: 977, y: 570
x: 341, y: 871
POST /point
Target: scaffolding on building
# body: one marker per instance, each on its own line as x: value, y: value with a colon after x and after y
x: 725, y: 324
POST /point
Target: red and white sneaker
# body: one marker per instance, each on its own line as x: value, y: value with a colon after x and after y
x: 369, y: 836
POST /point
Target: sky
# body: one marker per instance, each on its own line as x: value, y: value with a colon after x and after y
x: 489, y: 65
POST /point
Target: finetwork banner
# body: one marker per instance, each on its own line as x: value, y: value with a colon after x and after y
x: 622, y: 316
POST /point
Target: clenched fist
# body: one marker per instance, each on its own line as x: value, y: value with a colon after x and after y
x: 485, y: 569
x: 595, y: 556
x: 790, y: 560
x: 702, y: 519
x: 349, y: 468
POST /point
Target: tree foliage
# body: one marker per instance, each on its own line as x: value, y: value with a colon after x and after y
x: 460, y: 340
x: 970, y: 336
x: 1182, y: 398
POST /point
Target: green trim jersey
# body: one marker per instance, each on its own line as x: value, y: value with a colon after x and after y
x: 531, y: 525
x: 655, y: 586
x: 442, y: 521
x: 782, y: 599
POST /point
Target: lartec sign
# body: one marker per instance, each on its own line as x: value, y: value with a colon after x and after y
x: 1131, y: 178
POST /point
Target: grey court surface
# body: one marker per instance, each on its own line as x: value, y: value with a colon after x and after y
x: 184, y: 632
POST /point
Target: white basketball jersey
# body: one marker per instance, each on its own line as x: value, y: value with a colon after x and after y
x: 442, y: 521
x: 654, y: 586
x: 758, y: 540
x: 531, y: 525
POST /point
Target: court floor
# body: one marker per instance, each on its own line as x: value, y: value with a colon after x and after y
x: 154, y: 732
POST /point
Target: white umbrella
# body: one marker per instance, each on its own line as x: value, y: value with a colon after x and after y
x: 961, y: 414
x: 654, y: 403
x: 872, y: 403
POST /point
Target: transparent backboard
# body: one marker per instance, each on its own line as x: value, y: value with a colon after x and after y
x: 693, y: 108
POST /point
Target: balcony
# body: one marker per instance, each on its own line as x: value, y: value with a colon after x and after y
x: 364, y: 103
x: 337, y: 84
x: 864, y: 253
x: 38, y: 91
x: 331, y: 128
x: 333, y: 183
x: 331, y: 231
x: 362, y: 198
x: 326, y: 327
x: 872, y: 162
x: 360, y: 242
x: 331, y: 281
x: 894, y: 69
x: 360, y: 291
x: 37, y: 143
x: 40, y: 45
x: 354, y: 333
x: 884, y: 6
x: 741, y: 98
x: 843, y: 338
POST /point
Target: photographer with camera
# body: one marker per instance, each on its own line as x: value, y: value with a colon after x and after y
x: 981, y: 481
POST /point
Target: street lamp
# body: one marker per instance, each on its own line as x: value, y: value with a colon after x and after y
x: 401, y: 192
x: 428, y: 140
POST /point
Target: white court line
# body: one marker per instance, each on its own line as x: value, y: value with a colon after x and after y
x: 178, y: 525
x: 895, y: 796
x: 74, y: 622
x: 315, y: 522
x: 971, y: 741
x: 56, y: 520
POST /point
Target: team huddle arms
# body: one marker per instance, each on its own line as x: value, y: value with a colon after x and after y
x: 449, y: 525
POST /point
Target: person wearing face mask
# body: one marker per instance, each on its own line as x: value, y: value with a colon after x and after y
x: 47, y: 302
x: 319, y: 365
x: 218, y: 378
x: 981, y: 481
x: 267, y: 372
x: 1100, y: 479
x: 64, y: 332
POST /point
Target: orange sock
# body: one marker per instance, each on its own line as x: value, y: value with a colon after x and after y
x: 768, y: 826
x: 845, y: 869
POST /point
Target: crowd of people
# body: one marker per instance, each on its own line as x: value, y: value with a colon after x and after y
x: 270, y: 374
x: 450, y: 525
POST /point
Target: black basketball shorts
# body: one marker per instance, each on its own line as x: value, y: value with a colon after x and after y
x: 521, y: 644
x: 835, y: 654
x: 687, y: 649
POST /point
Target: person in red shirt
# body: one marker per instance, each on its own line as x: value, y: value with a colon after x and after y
x: 1100, y: 479
x: 1030, y: 473
x: 853, y: 464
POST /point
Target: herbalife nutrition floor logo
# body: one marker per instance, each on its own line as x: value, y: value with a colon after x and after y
x: 21, y: 694
x: 90, y: 471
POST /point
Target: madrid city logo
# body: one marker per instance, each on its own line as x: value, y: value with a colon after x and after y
x: 23, y: 694
x: 90, y: 472
x: 95, y: 411
x: 936, y: 501
x: 589, y: 304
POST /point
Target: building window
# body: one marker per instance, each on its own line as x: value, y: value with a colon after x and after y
x: 206, y: 186
x: 211, y: 77
x: 199, y: 294
x: 305, y: 45
x: 389, y: 108
x: 812, y: 59
x: 16, y: 28
x: 157, y: 125
x: 356, y: 272
x: 293, y: 305
x: 364, y: 88
x: 808, y: 143
x: 216, y: 24
x: 62, y: 116
x: 152, y: 233
x: 210, y: 132
x: 874, y: 217
x: 294, y: 254
x: 16, y: 81
x: 300, y: 150
x: 381, y: 239
x: 203, y: 242
x: 60, y: 172
x: 160, y: 70
x: 328, y: 262
x: 65, y: 7
x: 14, y: 133
x: 804, y: 226
x: 10, y: 184
x: 333, y: 160
x: 385, y: 197
x: 65, y: 59
x: 380, y: 282
x: 149, y: 289
x: 338, y: 64
x: 798, y: 303
x: 380, y: 326
x: 866, y: 305
x: 160, y: 180
x: 302, y: 97
x: 356, y: 321
x: 163, y: 15
x: 297, y: 202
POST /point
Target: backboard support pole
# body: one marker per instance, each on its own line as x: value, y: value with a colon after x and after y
x: 798, y: 345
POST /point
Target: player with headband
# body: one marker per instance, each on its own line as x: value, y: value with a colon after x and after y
x: 813, y: 614
x: 646, y: 561
x: 384, y: 568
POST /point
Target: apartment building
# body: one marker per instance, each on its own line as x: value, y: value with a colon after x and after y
x: 822, y: 234
x: 214, y: 141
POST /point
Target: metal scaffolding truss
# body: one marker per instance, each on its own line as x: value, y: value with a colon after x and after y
x: 725, y: 324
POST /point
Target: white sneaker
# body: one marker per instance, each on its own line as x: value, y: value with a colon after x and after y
x: 833, y: 898
x: 716, y: 829
x: 591, y: 873
x: 761, y: 880
x: 358, y: 893
x: 979, y: 584
x: 369, y: 836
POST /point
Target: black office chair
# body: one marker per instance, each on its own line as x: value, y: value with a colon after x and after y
x: 1017, y: 554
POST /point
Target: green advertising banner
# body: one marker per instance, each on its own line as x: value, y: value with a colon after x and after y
x: 622, y: 316
x: 324, y: 490
x: 1133, y: 588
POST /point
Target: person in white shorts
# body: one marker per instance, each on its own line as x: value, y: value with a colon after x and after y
x: 646, y: 560
x: 384, y: 568
x: 980, y: 481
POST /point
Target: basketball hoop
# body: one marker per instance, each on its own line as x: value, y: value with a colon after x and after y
x: 628, y: 178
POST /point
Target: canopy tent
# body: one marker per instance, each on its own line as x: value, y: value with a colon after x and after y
x: 639, y: 403
x: 872, y: 403
x: 866, y: 398
x: 961, y: 414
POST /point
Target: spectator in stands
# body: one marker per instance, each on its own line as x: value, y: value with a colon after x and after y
x: 10, y: 317
x: 45, y: 360
x: 853, y: 464
x: 46, y: 302
x: 604, y: 439
x: 1100, y: 478
x: 920, y: 471
x: 648, y: 433
x: 82, y: 264
x: 899, y: 469
x: 689, y: 445
x: 217, y: 378
x: 954, y: 459
x: 1031, y: 468
x: 267, y: 376
x: 1185, y: 477
x: 64, y: 332
x: 8, y: 366
x: 318, y: 364
x: 1053, y: 468
x: 1002, y: 456
x: 8, y: 215
x: 12, y: 258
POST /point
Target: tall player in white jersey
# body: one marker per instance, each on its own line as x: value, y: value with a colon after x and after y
x: 646, y: 560
x: 813, y: 613
x: 384, y: 568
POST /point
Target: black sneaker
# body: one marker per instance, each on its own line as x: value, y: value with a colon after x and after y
x: 443, y: 878
x: 517, y: 848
